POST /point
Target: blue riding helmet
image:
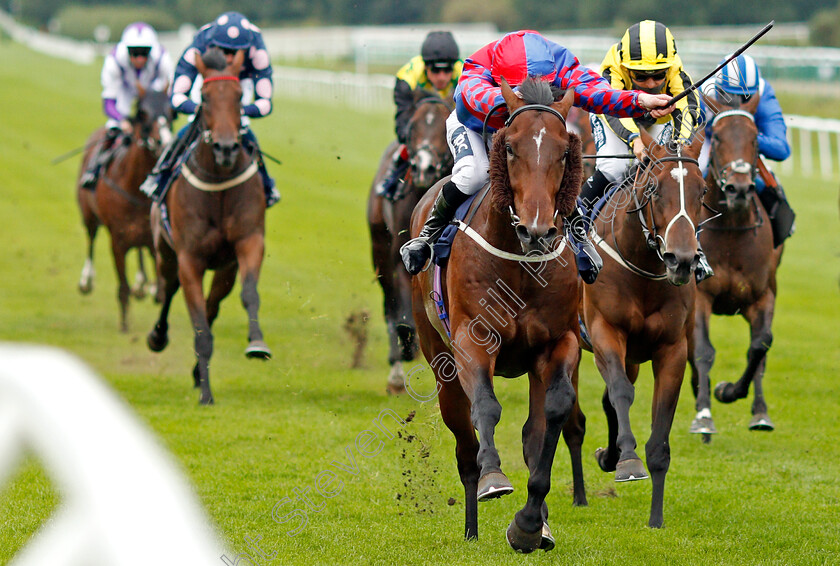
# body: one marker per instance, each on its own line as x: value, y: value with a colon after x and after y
x: 740, y: 76
x: 231, y: 30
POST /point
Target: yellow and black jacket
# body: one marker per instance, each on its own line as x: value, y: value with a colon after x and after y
x: 411, y: 76
x: 686, y: 116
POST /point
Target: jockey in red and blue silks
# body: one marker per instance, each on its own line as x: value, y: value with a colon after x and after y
x: 515, y: 57
x: 230, y: 32
x: 736, y: 83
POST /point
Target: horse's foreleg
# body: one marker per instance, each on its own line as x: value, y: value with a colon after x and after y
x: 123, y: 290
x: 88, y: 271
x: 760, y: 317
x: 167, y: 268
x: 573, y: 433
x: 621, y: 453
x: 191, y: 274
x: 223, y: 281
x: 701, y: 367
x: 475, y: 374
x: 668, y: 369
x: 249, y: 255
x: 552, y: 400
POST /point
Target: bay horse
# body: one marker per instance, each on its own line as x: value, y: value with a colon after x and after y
x: 511, y: 296
x: 641, y: 307
x: 388, y: 221
x: 739, y: 246
x: 117, y: 202
x: 216, y: 209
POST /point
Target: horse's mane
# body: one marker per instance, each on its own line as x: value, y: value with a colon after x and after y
x: 536, y: 91
x: 214, y: 59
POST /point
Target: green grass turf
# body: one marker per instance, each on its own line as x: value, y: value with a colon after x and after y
x: 747, y: 498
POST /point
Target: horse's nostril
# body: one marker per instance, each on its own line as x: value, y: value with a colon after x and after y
x: 523, y: 233
x: 670, y: 260
x: 550, y: 234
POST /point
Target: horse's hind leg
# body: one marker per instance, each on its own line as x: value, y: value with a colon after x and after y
x: 668, y: 369
x: 141, y: 279
x: 123, y: 290
x: 760, y: 317
x: 455, y: 410
x: 701, y: 366
x: 249, y: 255
x: 91, y: 223
x: 167, y: 267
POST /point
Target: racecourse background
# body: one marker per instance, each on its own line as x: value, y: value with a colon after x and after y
x: 748, y: 498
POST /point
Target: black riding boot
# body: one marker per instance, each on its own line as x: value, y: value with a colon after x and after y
x: 100, y: 156
x: 589, y: 262
x: 415, y: 253
x: 781, y: 214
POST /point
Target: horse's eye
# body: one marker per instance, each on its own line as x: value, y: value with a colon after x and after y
x: 509, y: 150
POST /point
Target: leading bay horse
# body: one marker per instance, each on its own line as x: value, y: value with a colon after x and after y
x: 117, y: 202
x: 216, y: 208
x: 641, y: 307
x: 388, y: 220
x: 739, y: 245
x: 510, y: 291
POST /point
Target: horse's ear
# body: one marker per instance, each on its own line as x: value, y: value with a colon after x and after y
x: 565, y: 104
x: 513, y: 102
x: 199, y: 64
x: 696, y: 145
x: 238, y: 60
x: 647, y: 139
x: 752, y: 104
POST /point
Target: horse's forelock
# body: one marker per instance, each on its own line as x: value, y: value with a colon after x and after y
x: 214, y: 59
x: 537, y: 91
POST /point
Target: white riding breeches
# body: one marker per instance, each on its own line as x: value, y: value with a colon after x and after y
x: 471, y: 170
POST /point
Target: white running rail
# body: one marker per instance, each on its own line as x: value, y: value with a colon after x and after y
x: 123, y: 501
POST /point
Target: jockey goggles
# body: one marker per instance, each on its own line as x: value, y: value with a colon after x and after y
x: 139, y: 51
x: 642, y: 76
x: 440, y: 66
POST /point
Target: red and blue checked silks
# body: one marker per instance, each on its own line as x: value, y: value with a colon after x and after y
x: 521, y: 54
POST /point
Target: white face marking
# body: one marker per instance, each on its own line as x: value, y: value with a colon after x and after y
x: 538, y: 138
x: 678, y: 172
x: 537, y: 215
x: 430, y: 117
x: 423, y: 160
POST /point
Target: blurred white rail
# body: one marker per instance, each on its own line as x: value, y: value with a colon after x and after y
x: 122, y: 500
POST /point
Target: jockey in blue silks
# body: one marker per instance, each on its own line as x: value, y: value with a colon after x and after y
x: 515, y: 57
x: 741, y: 79
x: 230, y: 32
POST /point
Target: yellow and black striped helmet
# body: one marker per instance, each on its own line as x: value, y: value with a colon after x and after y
x: 647, y: 46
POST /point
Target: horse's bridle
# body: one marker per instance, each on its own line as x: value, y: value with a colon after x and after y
x: 654, y: 240
x: 721, y: 174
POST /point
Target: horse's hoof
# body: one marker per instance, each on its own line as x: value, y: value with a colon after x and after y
x: 396, y: 380
x: 524, y: 542
x: 85, y: 287
x: 725, y: 392
x: 630, y: 470
x: 206, y: 400
x: 547, y: 541
x: 258, y: 350
x: 155, y: 342
x: 702, y: 425
x: 601, y: 456
x: 761, y: 421
x: 493, y: 485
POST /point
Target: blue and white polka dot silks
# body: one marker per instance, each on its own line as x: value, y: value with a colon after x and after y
x: 228, y: 31
x: 740, y: 76
x: 231, y: 30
